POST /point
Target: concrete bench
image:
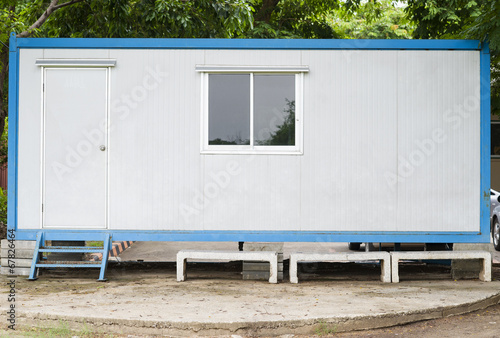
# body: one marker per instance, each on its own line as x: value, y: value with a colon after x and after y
x: 382, y: 256
x: 484, y: 274
x: 262, y: 256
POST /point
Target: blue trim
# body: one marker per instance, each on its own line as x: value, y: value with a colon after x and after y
x: 40, y: 241
x: 273, y: 236
x: 485, y: 143
x: 257, y: 236
x: 13, y: 133
x: 248, y: 44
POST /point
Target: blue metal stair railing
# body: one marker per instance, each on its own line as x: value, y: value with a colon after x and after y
x: 38, y: 262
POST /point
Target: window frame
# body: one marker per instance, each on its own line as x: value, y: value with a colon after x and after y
x: 297, y: 149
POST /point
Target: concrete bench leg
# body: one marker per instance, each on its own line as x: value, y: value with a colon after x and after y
x: 485, y: 273
x: 273, y: 270
x: 181, y: 269
x: 293, y: 270
x: 395, y: 268
x: 385, y: 266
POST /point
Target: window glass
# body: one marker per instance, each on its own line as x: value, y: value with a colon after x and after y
x: 495, y: 139
x: 274, y: 110
x: 229, y: 109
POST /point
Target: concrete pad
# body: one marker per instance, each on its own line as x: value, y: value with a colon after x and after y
x: 142, y: 301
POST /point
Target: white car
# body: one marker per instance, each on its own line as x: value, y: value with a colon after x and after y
x: 495, y: 218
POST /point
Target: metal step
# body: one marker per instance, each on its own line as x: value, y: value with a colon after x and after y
x: 68, y: 264
x: 40, y: 262
x: 77, y: 249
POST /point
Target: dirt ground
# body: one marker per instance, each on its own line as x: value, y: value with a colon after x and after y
x: 479, y: 324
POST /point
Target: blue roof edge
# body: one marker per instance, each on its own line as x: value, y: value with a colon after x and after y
x: 298, y: 44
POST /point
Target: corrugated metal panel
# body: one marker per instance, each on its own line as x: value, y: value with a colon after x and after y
x: 366, y: 113
x: 154, y: 164
x: 438, y: 141
x: 350, y: 141
x: 30, y: 128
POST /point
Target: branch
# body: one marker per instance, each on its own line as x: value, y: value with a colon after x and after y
x: 51, y: 9
x: 67, y: 4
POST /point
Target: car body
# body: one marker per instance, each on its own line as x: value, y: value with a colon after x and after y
x: 495, y: 218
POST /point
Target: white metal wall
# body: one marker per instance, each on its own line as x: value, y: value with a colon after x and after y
x: 391, y: 143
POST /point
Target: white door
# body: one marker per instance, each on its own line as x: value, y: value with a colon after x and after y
x: 75, y: 147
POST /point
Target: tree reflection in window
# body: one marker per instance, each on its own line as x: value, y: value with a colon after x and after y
x: 284, y: 134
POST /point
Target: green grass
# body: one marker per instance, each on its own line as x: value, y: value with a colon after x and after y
x: 94, y: 243
x: 323, y: 329
x: 62, y: 330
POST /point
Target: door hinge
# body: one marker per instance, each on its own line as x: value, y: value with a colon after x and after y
x: 42, y: 207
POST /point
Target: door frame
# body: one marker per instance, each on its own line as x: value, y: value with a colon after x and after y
x: 75, y: 64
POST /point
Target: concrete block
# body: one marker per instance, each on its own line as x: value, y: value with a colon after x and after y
x: 484, y: 256
x: 258, y: 266
x: 19, y: 253
x: 19, y: 244
x: 17, y: 271
x: 18, y: 263
x: 251, y: 271
x: 259, y: 275
x: 258, y: 246
x: 382, y: 256
x: 266, y: 256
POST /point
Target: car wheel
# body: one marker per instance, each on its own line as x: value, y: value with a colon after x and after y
x: 495, y: 232
x: 354, y: 246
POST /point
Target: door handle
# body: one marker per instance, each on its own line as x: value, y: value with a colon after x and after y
x: 102, y: 148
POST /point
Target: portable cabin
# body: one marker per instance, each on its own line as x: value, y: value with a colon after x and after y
x: 249, y: 140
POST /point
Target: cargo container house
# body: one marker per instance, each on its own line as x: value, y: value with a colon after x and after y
x: 249, y: 140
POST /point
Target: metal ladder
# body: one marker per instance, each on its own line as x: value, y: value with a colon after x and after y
x: 39, y: 262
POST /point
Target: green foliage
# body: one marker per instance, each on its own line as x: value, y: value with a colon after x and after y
x: 293, y: 19
x: 372, y: 20
x: 285, y: 133
x: 442, y: 18
x: 151, y: 19
x: 3, y: 206
x: 4, y: 143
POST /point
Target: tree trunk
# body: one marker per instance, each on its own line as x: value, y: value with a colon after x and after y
x: 266, y: 10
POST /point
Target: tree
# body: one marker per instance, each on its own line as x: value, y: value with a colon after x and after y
x: 293, y: 19
x: 372, y: 20
x: 284, y: 133
x: 152, y: 19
